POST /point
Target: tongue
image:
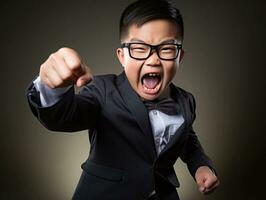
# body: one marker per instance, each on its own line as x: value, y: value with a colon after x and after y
x: 150, y: 82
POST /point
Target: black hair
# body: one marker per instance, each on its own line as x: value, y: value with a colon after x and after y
x: 142, y: 11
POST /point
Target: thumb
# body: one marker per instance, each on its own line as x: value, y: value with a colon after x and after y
x: 85, y: 78
x: 201, y: 185
x: 202, y: 189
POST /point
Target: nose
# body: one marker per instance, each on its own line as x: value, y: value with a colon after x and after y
x: 153, y: 59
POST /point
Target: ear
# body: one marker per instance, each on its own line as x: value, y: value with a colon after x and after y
x: 181, y: 56
x: 121, y: 56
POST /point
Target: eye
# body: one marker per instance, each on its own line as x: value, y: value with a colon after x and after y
x: 168, y: 49
x: 139, y: 48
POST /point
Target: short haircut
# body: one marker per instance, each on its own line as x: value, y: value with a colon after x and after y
x: 142, y: 11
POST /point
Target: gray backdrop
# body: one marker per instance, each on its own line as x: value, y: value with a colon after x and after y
x: 224, y: 67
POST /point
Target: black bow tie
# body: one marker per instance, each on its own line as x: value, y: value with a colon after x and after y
x: 166, y: 105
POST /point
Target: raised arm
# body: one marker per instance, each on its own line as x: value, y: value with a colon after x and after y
x: 65, y: 111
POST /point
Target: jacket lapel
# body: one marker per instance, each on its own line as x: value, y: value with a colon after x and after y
x: 140, y: 114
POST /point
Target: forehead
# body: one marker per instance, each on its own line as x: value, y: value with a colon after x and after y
x: 153, y: 32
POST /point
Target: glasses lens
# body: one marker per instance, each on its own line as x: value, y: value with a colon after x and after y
x: 168, y: 51
x: 139, y: 51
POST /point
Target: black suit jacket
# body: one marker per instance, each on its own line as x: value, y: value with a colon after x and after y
x: 122, y: 163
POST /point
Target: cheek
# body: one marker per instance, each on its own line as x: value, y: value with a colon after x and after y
x: 170, y: 72
x: 132, y: 70
x: 126, y: 59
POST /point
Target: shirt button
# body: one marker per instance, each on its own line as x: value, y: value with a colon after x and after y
x: 155, y: 112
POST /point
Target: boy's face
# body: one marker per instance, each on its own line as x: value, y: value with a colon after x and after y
x: 150, y: 77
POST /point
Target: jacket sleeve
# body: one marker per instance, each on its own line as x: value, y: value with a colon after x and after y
x: 192, y: 152
x: 74, y: 112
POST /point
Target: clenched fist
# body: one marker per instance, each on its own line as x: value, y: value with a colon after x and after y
x: 64, y: 68
x: 206, y: 180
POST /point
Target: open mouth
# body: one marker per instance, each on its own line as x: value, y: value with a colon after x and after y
x: 151, y: 82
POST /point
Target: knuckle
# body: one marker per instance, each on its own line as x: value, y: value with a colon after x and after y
x: 56, y: 83
x: 52, y: 56
x: 42, y: 68
x: 43, y: 71
x: 52, y: 86
x: 71, y: 57
x: 74, y: 64
x: 66, y: 74
x: 47, y: 82
x: 63, y: 50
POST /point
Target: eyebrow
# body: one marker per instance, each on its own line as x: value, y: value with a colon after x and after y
x: 175, y: 41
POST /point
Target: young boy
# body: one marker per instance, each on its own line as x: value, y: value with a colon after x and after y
x: 139, y: 123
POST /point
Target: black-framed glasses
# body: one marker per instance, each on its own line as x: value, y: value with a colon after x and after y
x: 142, y: 51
